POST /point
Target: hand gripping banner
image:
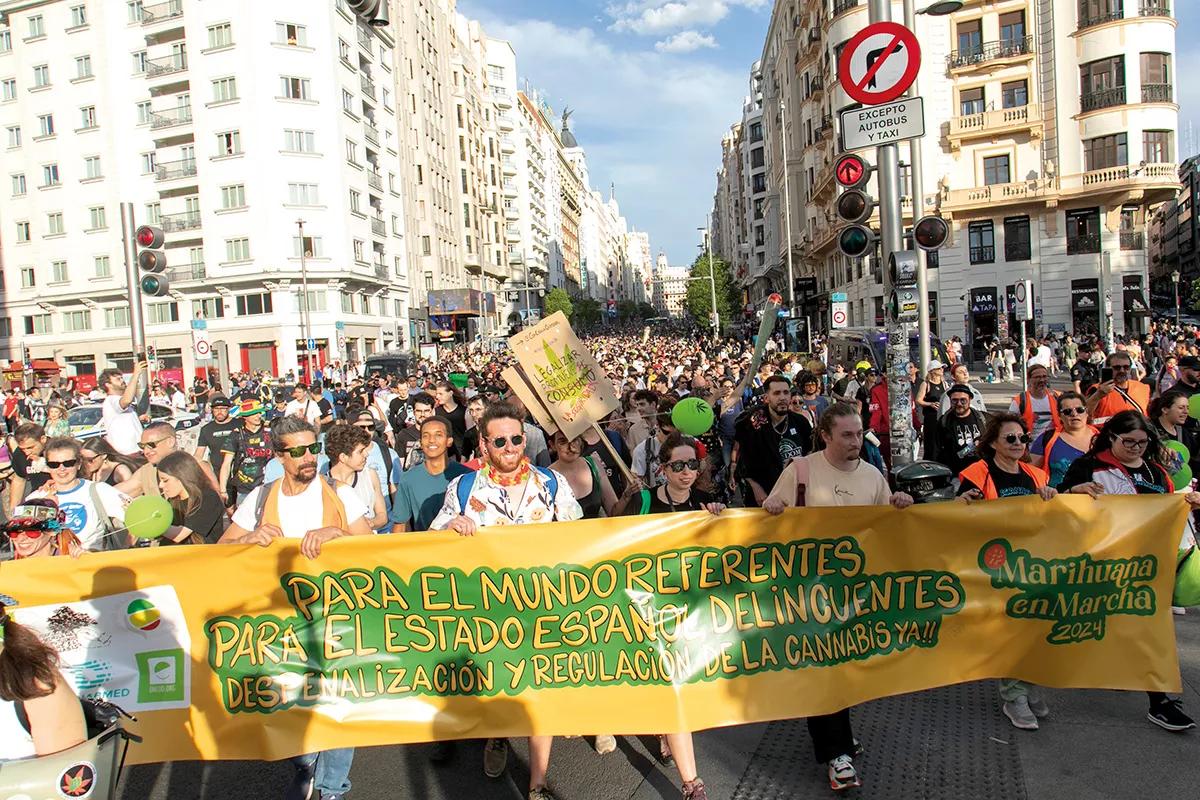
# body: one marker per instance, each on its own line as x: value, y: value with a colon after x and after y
x: 637, y: 625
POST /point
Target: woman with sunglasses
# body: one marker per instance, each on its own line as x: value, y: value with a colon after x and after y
x: 1056, y: 449
x: 589, y: 482
x: 35, y: 530
x: 1126, y: 458
x: 95, y: 512
x: 199, y: 514
x: 103, y: 464
x: 681, y: 466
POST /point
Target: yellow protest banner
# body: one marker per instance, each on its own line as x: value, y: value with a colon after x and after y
x: 634, y: 625
x: 576, y: 391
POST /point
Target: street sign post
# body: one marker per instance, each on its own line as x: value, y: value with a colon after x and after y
x: 880, y: 63
x: 839, y: 310
x: 891, y: 122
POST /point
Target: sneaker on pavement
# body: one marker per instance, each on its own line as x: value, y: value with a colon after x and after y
x: 694, y: 790
x: 1038, y: 706
x: 541, y: 793
x: 1178, y: 610
x: 301, y: 787
x: 1169, y: 715
x: 605, y: 743
x: 495, y: 757
x: 1020, y: 715
x: 842, y: 774
x: 441, y: 752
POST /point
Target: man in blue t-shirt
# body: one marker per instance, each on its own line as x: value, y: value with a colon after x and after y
x: 421, y: 490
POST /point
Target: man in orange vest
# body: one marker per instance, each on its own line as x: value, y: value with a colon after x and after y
x: 1116, y: 395
x: 1038, y: 406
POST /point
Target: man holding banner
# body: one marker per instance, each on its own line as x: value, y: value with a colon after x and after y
x: 508, y: 491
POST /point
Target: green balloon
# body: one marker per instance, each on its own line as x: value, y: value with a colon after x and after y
x: 1187, y: 579
x: 692, y: 416
x: 148, y: 517
x: 1182, y: 478
x: 1181, y: 449
x: 1194, y: 406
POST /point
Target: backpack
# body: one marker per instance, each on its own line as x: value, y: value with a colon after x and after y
x: 108, y: 541
x: 467, y: 482
x: 239, y: 448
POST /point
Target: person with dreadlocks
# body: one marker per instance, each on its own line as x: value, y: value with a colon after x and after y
x: 36, y: 530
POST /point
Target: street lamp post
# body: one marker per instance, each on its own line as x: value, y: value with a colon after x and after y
x: 306, y: 319
x: 1175, y: 276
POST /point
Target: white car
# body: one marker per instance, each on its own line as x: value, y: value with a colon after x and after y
x: 85, y: 420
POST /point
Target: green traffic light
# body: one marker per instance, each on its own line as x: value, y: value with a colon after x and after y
x: 854, y: 242
x: 153, y: 285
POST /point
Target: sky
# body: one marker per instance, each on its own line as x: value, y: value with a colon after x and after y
x: 655, y: 84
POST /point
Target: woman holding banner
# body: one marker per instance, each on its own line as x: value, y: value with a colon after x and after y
x: 1126, y: 458
x: 1004, y: 471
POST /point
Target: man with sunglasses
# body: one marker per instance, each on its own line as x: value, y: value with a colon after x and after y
x: 302, y: 505
x: 959, y: 429
x: 508, y: 490
x: 157, y: 441
x: 1121, y: 393
x: 95, y: 512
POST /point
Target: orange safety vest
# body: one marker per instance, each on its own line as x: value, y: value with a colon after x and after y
x: 1024, y: 403
x: 1055, y: 434
x: 979, y: 475
x: 1114, y: 402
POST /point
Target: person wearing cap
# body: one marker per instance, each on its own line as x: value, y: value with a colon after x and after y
x: 1084, y: 372
x: 961, y: 376
x: 929, y: 400
x: 213, y: 435
x: 958, y: 430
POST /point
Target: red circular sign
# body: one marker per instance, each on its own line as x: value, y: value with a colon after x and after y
x: 839, y: 318
x: 880, y: 63
x: 850, y: 171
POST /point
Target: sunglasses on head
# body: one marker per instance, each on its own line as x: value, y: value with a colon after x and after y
x: 500, y: 441
x: 1013, y: 438
x: 679, y: 466
x: 300, y: 449
x: 70, y: 462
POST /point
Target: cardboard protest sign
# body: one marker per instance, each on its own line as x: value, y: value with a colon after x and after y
x: 521, y: 388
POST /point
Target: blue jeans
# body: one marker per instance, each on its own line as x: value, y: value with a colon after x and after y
x: 332, y: 769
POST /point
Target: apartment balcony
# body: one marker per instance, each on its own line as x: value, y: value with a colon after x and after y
x: 181, y: 115
x: 1149, y: 183
x: 368, y: 86
x: 1000, y: 194
x: 510, y: 189
x: 508, y: 166
x: 371, y: 132
x: 381, y: 271
x: 187, y: 272
x: 515, y: 258
x: 816, y: 87
x: 1133, y: 240
x: 990, y: 53
x: 505, y: 122
x: 1160, y: 9
x: 1083, y: 244
x: 995, y: 123
x: 507, y: 145
x: 824, y: 181
x: 172, y: 170
x: 179, y: 222
x: 1158, y: 93
x: 375, y: 181
x: 512, y: 212
x: 1100, y: 19
x: 378, y: 226
x: 168, y: 65
x: 162, y: 12
x: 824, y: 130
x: 364, y: 39
x: 842, y: 6
x: 1105, y: 98
x: 503, y: 99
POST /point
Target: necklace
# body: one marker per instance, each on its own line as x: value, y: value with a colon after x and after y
x: 671, y: 501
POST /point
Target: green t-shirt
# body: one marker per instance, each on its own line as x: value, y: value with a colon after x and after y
x: 419, y: 495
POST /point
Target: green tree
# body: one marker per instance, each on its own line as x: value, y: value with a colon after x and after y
x: 627, y: 310
x: 699, y: 293
x: 587, y: 311
x: 557, y: 299
x: 646, y: 311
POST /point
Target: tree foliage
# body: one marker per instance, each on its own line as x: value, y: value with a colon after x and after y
x: 557, y: 299
x: 699, y: 293
x: 587, y: 311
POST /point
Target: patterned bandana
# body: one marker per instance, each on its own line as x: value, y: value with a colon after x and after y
x: 516, y: 479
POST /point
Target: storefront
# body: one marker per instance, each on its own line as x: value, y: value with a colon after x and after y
x: 983, y: 320
x: 1137, y: 310
x: 1085, y: 307
x: 258, y: 356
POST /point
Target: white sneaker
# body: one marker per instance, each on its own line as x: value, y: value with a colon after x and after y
x: 605, y: 743
x: 1178, y: 611
x: 842, y: 774
x: 1020, y: 714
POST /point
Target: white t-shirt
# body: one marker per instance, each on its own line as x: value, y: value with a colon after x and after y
x: 122, y: 428
x: 301, y: 513
x: 83, y: 517
x: 308, y: 408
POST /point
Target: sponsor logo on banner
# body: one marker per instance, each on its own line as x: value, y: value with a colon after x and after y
x: 160, y: 676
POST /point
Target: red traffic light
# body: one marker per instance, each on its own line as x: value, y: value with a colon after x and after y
x: 851, y: 171
x: 149, y: 236
x: 931, y: 233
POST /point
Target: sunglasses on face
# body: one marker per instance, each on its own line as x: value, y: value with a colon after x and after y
x: 500, y: 441
x: 70, y: 462
x: 960, y: 401
x: 151, y: 445
x: 1013, y: 438
x: 679, y: 466
x: 34, y: 533
x: 1076, y: 411
x: 299, y: 450
x: 1133, y: 444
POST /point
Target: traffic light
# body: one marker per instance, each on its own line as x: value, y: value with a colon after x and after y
x: 855, y: 206
x: 931, y: 233
x: 374, y: 12
x: 152, y: 260
x: 904, y: 301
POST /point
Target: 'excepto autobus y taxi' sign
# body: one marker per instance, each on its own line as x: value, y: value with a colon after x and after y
x: 872, y: 126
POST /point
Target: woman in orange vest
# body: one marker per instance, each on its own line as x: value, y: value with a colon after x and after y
x: 1004, y: 471
x: 1056, y: 449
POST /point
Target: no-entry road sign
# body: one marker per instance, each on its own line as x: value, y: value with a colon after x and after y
x: 880, y: 63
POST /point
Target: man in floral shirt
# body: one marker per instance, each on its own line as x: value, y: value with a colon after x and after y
x: 508, y: 490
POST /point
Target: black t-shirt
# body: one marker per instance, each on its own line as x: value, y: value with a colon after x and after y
x: 956, y: 443
x: 1006, y: 483
x: 408, y: 447
x: 252, y: 451
x: 458, y: 424
x: 765, y: 447
x: 606, y: 461
x: 1147, y: 479
x: 208, y: 519
x: 1087, y: 373
x: 325, y: 407
x: 214, y: 436
x: 695, y: 502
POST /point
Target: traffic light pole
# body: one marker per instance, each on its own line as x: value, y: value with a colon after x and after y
x: 137, y: 323
x: 308, y: 353
x: 891, y: 241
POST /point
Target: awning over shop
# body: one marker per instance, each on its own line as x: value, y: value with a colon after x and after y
x: 1135, y: 302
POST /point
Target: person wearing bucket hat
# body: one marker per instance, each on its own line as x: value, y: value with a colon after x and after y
x: 39, y: 713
